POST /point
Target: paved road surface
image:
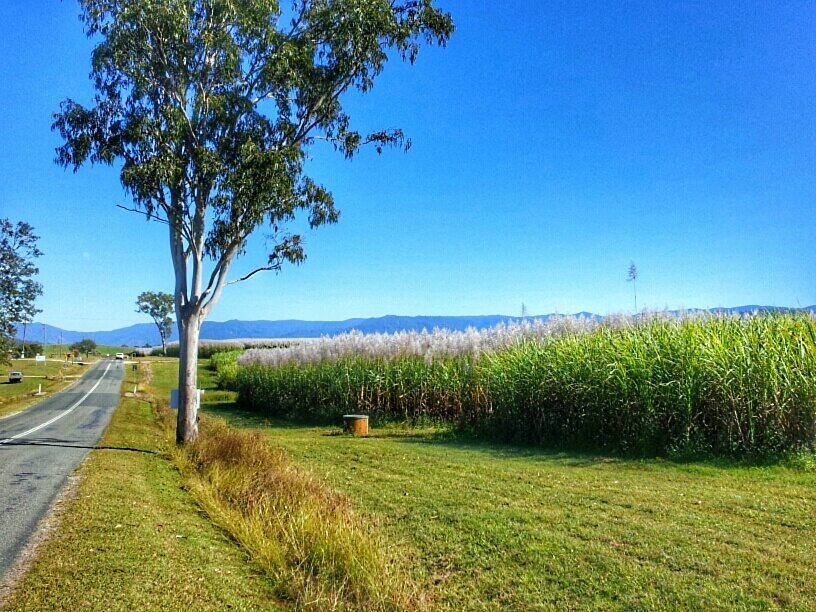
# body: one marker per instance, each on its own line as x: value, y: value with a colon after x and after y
x: 40, y: 447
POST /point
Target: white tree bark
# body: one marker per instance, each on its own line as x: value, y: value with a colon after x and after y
x: 189, y: 326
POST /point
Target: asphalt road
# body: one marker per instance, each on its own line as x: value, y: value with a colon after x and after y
x: 41, y: 446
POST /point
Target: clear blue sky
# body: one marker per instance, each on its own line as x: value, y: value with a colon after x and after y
x: 554, y: 143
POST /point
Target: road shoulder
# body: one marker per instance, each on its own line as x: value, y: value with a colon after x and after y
x: 133, y: 538
x: 12, y: 404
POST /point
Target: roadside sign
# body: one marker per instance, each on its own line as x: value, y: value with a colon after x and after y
x: 39, y: 358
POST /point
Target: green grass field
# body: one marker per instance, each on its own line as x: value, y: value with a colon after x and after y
x: 493, y: 526
x: 52, y: 375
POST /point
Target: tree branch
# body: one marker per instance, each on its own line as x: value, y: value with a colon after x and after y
x: 145, y: 213
x: 253, y: 273
x: 221, y: 271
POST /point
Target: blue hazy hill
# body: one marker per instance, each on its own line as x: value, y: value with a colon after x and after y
x: 146, y: 333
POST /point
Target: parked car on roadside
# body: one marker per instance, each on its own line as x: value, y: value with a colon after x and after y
x: 15, y: 377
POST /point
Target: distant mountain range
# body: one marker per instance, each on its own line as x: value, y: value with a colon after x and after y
x: 146, y: 333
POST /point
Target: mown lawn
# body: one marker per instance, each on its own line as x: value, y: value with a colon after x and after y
x: 490, y: 526
x: 132, y: 538
x: 52, y: 375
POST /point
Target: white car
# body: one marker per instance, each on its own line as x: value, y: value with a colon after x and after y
x: 120, y: 355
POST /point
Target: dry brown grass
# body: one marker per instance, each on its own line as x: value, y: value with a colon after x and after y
x: 318, y: 553
x: 304, y: 535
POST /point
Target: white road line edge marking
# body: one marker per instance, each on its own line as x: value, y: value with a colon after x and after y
x: 62, y: 414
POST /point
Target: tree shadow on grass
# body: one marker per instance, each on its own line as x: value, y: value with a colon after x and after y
x: 233, y: 414
x: 589, y: 457
x: 400, y: 432
x: 447, y: 436
x: 55, y: 442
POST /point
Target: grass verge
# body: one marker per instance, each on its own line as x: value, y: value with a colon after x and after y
x: 133, y: 539
x: 52, y: 375
x: 317, y: 551
x: 489, y: 526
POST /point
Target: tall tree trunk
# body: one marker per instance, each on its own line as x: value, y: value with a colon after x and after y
x: 161, y: 336
x: 189, y: 325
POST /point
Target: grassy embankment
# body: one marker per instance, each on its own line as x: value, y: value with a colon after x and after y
x: 52, y: 375
x: 58, y: 351
x: 132, y: 538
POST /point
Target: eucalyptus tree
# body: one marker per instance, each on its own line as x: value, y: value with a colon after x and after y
x: 209, y: 108
x: 18, y: 289
x: 158, y: 306
x: 86, y: 346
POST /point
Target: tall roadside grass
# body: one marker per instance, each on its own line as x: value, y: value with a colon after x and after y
x: 317, y: 552
x: 718, y: 385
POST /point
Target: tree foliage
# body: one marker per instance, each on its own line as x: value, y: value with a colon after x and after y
x: 30, y: 348
x: 86, y: 346
x: 211, y: 106
x: 18, y: 289
x: 159, y: 306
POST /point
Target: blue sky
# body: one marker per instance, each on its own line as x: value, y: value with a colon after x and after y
x: 553, y: 143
